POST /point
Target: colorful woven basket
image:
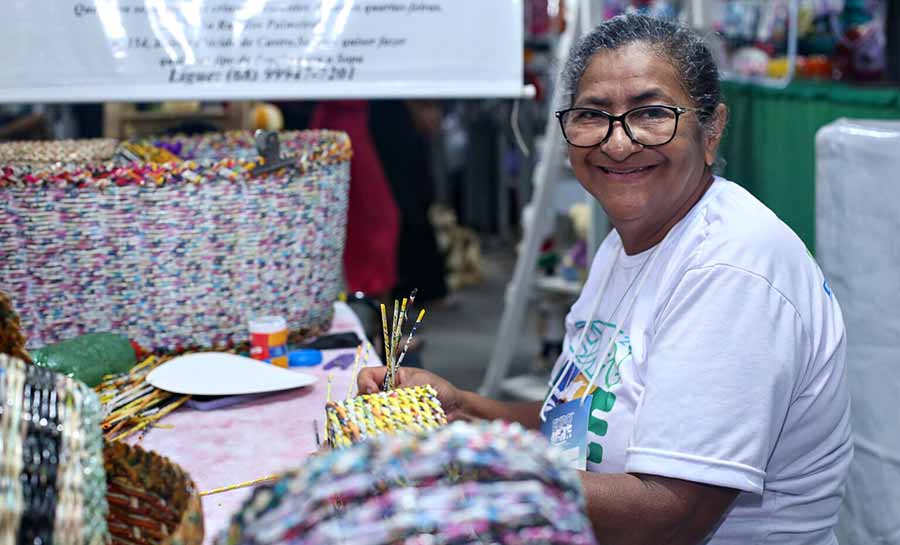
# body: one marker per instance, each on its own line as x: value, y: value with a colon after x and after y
x: 61, y: 483
x: 174, y: 254
x: 462, y: 484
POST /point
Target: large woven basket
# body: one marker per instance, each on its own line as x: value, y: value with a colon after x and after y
x: 178, y: 253
x: 149, y: 499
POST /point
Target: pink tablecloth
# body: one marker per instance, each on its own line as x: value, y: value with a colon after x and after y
x: 254, y: 439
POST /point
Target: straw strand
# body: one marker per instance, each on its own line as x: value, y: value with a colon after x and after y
x: 238, y: 485
x: 355, y: 368
x: 412, y: 333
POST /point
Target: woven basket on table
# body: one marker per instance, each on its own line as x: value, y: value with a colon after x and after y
x: 178, y: 253
x: 151, y: 501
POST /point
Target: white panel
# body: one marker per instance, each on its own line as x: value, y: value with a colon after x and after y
x: 858, y: 246
x: 96, y: 50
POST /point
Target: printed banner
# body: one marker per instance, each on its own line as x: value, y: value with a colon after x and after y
x: 100, y: 50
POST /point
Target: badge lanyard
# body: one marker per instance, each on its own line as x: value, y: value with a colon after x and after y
x: 647, y: 266
x: 644, y: 275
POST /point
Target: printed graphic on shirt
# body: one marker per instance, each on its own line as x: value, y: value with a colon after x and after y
x: 584, y: 365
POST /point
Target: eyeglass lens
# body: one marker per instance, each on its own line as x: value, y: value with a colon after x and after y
x: 650, y: 126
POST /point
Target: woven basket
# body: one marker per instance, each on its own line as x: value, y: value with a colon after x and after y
x: 149, y: 500
x: 176, y: 254
x: 489, y: 482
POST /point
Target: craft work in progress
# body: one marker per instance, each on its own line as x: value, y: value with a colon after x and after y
x: 466, y: 483
x: 366, y: 416
x: 391, y: 410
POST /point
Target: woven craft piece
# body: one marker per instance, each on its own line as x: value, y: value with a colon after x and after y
x: 151, y: 500
x: 490, y: 483
x: 52, y: 482
x: 176, y: 254
x: 12, y: 341
x: 366, y: 416
x: 146, y: 499
x: 49, y: 152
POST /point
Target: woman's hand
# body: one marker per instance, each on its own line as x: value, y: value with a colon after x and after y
x: 371, y: 378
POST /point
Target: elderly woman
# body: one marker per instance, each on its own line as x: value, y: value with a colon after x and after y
x: 704, y: 358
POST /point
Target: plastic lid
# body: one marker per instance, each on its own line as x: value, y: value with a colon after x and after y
x: 304, y: 358
x: 267, y: 324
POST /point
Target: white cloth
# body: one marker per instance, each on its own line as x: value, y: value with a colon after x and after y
x: 730, y: 370
x: 857, y: 199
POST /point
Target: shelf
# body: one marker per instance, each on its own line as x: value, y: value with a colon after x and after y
x: 556, y: 284
x: 525, y: 387
x: 216, y: 112
x: 122, y: 120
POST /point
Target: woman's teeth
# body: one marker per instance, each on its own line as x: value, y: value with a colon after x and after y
x: 624, y: 171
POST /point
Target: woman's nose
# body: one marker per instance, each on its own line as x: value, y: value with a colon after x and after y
x: 619, y: 146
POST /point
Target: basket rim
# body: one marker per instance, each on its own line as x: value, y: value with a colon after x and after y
x: 189, y: 515
x: 312, y: 150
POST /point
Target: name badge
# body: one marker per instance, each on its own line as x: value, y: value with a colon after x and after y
x: 566, y: 428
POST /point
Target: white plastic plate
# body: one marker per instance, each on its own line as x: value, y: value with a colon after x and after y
x: 220, y: 374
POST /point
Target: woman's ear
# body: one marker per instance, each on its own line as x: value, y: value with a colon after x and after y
x: 714, y: 134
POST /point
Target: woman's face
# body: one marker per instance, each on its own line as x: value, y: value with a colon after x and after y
x: 642, y: 189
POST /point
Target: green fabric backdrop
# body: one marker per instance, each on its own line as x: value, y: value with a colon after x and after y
x: 769, y: 145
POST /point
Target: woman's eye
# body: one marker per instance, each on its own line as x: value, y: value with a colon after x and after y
x: 587, y: 115
x: 654, y: 113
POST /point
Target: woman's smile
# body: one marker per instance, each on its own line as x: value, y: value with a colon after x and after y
x: 626, y: 174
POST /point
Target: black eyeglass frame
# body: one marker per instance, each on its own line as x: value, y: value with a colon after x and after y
x: 677, y: 110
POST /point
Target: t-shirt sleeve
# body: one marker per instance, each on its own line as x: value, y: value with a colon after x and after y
x: 718, y: 376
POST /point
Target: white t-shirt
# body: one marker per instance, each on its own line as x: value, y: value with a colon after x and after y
x: 729, y: 371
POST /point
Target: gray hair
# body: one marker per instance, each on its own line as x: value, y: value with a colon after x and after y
x: 681, y: 46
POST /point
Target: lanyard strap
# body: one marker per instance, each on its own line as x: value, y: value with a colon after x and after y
x: 615, y: 333
x: 589, y: 323
x: 594, y: 307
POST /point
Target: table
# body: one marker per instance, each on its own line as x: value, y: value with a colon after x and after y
x: 254, y: 439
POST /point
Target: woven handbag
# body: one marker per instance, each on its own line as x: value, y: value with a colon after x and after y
x: 62, y: 483
x: 174, y: 243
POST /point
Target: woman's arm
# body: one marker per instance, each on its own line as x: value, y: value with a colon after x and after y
x: 525, y: 413
x: 625, y: 509
x: 636, y: 509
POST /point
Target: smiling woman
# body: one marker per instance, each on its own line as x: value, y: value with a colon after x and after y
x: 651, y: 172
x: 704, y: 363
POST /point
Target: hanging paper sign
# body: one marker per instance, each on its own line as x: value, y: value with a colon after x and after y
x: 99, y: 50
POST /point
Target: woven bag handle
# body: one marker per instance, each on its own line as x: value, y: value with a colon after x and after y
x: 12, y: 341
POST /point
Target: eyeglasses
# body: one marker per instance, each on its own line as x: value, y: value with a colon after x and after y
x: 654, y: 125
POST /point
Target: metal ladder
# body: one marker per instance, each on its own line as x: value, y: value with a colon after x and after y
x: 547, y: 172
